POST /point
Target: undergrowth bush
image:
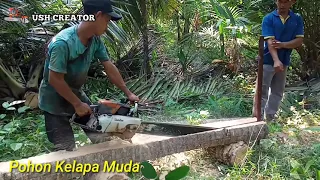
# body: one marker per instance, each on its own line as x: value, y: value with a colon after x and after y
x: 22, y: 136
x: 275, y: 160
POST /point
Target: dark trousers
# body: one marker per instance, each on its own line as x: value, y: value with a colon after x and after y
x: 60, y: 133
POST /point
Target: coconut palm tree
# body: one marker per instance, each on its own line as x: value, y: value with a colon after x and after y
x: 30, y: 50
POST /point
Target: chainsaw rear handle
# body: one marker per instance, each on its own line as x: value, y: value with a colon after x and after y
x: 75, y: 115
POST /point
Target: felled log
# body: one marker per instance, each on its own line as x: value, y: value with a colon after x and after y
x: 144, y: 147
x: 107, y: 176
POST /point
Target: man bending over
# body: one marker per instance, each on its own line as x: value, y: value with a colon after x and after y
x: 69, y: 56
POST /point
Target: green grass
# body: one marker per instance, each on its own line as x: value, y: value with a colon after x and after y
x: 23, y: 135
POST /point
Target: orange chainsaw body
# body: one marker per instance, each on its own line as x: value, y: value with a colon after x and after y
x: 115, y: 107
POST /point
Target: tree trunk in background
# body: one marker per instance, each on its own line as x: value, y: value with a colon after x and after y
x: 222, y: 44
x: 310, y: 52
x: 146, y: 63
x: 178, y: 27
x: 187, y: 24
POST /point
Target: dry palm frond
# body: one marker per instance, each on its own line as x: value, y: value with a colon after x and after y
x: 163, y: 87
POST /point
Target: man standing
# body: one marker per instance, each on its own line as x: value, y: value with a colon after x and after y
x: 283, y: 31
x: 69, y: 56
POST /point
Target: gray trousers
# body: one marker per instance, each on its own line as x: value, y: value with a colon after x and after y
x: 60, y: 133
x: 273, y: 85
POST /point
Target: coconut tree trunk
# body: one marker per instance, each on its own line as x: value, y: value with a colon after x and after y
x: 146, y: 65
x: 187, y: 24
x: 178, y: 27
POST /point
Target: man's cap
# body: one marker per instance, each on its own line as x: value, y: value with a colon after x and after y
x: 104, y: 6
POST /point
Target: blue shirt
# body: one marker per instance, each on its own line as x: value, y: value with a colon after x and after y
x: 66, y: 55
x: 283, y: 30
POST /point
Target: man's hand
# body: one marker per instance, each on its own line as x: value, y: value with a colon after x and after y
x: 278, y: 66
x: 297, y: 42
x: 277, y: 44
x: 82, y: 109
x: 132, y: 97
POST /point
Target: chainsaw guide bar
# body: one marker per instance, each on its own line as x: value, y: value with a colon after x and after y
x: 121, y: 120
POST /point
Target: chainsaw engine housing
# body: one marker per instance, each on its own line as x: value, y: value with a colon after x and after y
x: 115, y: 123
x: 110, y: 117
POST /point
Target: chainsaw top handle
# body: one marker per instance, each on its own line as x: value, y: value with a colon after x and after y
x: 133, y: 110
x: 127, y: 101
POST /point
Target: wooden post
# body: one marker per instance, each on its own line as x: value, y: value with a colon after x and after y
x: 260, y: 75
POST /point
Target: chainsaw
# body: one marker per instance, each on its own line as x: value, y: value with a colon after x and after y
x: 116, y: 119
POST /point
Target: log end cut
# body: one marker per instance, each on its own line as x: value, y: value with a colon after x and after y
x: 233, y: 154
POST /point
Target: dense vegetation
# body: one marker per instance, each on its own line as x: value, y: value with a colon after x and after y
x: 190, y: 60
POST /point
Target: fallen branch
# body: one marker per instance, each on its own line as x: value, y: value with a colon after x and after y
x: 17, y: 89
x: 149, y: 110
